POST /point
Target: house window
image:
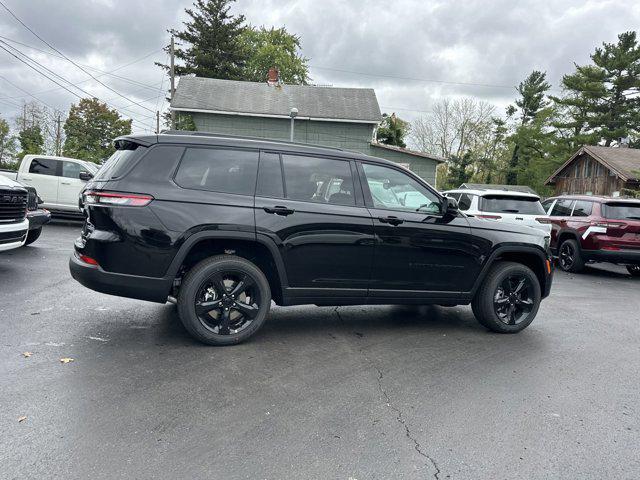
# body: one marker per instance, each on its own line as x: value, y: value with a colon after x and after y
x: 587, y: 168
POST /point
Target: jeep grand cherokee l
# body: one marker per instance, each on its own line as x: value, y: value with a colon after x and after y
x: 224, y: 225
x: 595, y: 229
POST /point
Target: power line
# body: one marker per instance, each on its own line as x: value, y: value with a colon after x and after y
x: 102, y: 72
x: 70, y: 60
x: 23, y: 90
x: 64, y: 80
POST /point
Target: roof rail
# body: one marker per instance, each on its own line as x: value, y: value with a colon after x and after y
x: 241, y: 137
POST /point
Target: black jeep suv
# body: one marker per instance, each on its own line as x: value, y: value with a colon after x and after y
x: 224, y: 225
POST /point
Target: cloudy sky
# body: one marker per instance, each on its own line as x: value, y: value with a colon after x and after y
x: 411, y: 51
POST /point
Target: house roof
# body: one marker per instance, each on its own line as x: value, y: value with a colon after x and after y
x: 408, y: 152
x: 508, y: 188
x: 233, y: 97
x: 624, y: 162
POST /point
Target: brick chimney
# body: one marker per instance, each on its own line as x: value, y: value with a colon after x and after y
x: 273, y: 77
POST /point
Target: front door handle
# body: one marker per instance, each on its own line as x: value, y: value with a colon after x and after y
x: 391, y: 220
x: 65, y: 183
x: 279, y: 210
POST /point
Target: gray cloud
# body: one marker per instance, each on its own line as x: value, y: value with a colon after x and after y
x: 473, y: 42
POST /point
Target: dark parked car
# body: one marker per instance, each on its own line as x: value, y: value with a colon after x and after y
x: 225, y: 225
x: 594, y: 229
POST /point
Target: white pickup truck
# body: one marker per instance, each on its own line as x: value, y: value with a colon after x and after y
x: 58, y: 180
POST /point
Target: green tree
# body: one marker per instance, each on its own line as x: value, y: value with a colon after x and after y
x: 532, y: 100
x: 459, y: 170
x: 31, y: 141
x: 210, y: 44
x: 392, y: 131
x: 7, y: 145
x: 602, y: 101
x: 90, y: 129
x: 273, y: 47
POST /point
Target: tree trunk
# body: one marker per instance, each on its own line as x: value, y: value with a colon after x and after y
x: 512, y: 174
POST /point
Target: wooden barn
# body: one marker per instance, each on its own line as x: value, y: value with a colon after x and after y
x: 595, y: 170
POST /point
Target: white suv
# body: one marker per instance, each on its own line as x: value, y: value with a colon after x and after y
x: 502, y: 206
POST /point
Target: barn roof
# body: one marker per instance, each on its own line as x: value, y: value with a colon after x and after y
x: 624, y: 162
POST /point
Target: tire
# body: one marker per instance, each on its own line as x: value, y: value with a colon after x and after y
x: 634, y: 270
x: 492, y: 304
x: 33, y: 235
x: 207, y: 307
x: 570, y: 257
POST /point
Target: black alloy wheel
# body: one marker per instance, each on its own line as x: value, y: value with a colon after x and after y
x: 513, y: 299
x: 227, y: 302
x: 566, y: 257
x: 223, y: 300
x: 634, y: 270
x: 508, y: 298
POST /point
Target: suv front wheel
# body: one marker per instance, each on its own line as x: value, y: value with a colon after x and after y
x: 508, y: 299
x: 223, y: 300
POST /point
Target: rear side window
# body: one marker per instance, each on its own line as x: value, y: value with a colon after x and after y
x: 119, y: 163
x: 270, y: 176
x: 44, y: 166
x: 314, y: 179
x: 562, y: 208
x: 218, y: 170
x: 512, y: 204
x: 582, y: 208
x: 622, y: 211
x: 547, y: 204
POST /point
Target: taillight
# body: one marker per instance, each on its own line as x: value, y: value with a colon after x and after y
x: 86, y: 259
x: 490, y: 217
x: 93, y: 197
x: 609, y: 224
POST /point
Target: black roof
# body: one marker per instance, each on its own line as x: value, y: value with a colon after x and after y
x: 204, y: 138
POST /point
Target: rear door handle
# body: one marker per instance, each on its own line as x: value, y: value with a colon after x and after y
x: 391, y: 220
x: 279, y: 210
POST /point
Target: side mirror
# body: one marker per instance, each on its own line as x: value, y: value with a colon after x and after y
x: 85, y: 176
x: 450, y: 206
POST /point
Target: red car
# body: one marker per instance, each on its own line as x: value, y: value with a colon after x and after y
x: 594, y: 229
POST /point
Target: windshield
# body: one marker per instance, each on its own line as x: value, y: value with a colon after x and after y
x: 512, y: 204
x: 622, y: 211
x: 91, y: 167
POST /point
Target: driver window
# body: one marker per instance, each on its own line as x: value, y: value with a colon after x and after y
x: 397, y: 191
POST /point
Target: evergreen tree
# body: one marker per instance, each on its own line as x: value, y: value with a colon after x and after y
x: 31, y: 141
x: 392, y: 131
x: 602, y: 101
x: 459, y: 170
x: 210, y: 44
x: 532, y: 100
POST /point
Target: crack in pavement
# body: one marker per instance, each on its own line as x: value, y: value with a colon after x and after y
x: 399, y: 418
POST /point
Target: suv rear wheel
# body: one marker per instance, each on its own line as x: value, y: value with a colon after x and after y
x: 508, y: 299
x: 634, y: 270
x: 569, y: 256
x: 224, y: 300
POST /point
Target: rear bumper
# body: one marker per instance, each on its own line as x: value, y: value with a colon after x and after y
x: 614, y: 256
x: 131, y: 286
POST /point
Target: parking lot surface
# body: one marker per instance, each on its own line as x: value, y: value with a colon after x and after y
x: 319, y: 393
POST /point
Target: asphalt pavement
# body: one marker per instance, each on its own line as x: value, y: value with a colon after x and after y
x: 376, y: 392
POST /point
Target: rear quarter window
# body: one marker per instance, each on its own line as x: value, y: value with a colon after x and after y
x: 119, y: 163
x: 511, y: 204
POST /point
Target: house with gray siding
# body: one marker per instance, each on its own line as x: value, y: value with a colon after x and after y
x: 346, y: 118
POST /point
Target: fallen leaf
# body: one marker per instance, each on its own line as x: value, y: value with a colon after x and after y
x: 22, y: 418
x: 26, y: 354
x: 66, y: 360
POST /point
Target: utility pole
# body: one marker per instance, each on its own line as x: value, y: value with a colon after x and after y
x: 157, y: 121
x: 24, y: 117
x: 173, y: 83
x: 58, y: 137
